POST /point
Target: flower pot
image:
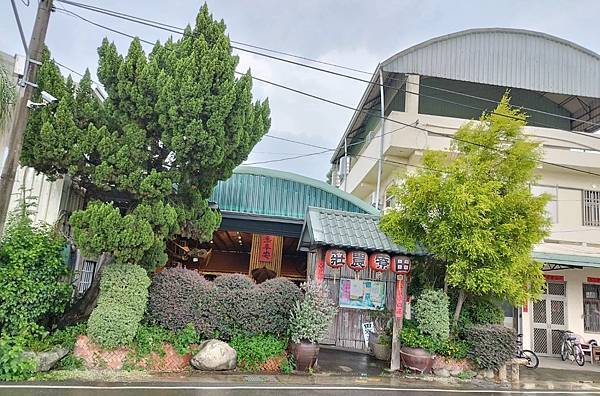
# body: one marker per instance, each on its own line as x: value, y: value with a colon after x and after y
x: 382, y: 352
x: 305, y: 354
x: 416, y: 359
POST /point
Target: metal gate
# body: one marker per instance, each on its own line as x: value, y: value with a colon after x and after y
x: 549, y: 319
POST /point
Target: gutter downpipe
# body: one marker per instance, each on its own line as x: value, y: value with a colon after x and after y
x: 380, y: 161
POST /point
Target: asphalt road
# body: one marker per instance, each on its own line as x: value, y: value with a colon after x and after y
x: 243, y: 390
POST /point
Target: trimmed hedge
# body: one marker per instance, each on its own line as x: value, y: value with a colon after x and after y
x: 278, y: 297
x: 491, y: 345
x: 121, y: 305
x: 482, y: 310
x: 172, y: 297
x: 432, y: 315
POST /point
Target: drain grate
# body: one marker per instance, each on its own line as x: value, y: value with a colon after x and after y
x: 259, y: 378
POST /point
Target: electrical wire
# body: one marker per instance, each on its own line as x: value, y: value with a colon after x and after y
x: 181, y: 31
x: 450, y: 136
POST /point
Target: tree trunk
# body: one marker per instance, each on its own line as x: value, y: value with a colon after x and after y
x: 459, y: 303
x: 81, y: 309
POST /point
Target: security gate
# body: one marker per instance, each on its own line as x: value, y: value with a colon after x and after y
x: 549, y: 319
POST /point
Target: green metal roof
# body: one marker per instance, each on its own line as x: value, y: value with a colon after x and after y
x: 568, y: 259
x: 326, y: 227
x: 270, y: 192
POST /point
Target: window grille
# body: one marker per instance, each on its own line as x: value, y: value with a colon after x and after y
x: 86, y: 275
x: 591, y: 308
x: 591, y: 208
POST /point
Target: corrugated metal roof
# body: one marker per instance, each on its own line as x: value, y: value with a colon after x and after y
x: 326, y: 227
x: 505, y: 57
x: 271, y: 192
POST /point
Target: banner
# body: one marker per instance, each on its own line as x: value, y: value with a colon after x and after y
x: 362, y: 294
x: 266, y: 248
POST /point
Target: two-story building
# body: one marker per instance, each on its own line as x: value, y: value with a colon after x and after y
x: 442, y: 83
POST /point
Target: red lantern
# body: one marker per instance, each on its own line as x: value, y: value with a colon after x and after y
x: 357, y: 260
x: 379, y: 262
x: 335, y: 258
x: 401, y: 265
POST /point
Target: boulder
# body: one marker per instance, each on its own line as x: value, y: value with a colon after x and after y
x: 441, y: 372
x: 214, y: 355
x: 46, y: 360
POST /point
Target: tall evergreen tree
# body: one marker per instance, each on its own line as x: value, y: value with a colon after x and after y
x: 175, y: 122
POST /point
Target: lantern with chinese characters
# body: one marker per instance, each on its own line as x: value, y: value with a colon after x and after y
x: 335, y: 258
x: 356, y: 260
x: 401, y: 265
x: 379, y: 262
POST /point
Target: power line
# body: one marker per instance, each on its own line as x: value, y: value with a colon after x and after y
x: 450, y: 136
x: 181, y: 31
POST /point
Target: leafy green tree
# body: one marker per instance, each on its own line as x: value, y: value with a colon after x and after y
x: 7, y: 94
x: 175, y: 122
x: 473, y: 209
x: 34, y: 278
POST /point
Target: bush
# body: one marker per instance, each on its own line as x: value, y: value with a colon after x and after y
x: 312, y: 316
x: 32, y: 274
x: 277, y: 297
x: 172, y: 296
x: 13, y: 367
x: 432, y: 315
x: 413, y: 338
x: 151, y: 338
x: 482, y: 311
x: 121, y: 305
x: 253, y: 351
x: 491, y: 345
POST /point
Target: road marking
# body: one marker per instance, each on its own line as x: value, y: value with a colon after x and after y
x: 342, y: 388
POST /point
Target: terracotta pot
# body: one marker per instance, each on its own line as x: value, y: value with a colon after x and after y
x: 416, y: 359
x: 382, y: 352
x: 305, y: 354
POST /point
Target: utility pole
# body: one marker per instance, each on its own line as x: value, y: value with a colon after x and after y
x: 381, y: 135
x: 15, y: 139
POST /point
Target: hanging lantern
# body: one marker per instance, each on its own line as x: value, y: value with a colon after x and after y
x: 357, y: 260
x: 379, y: 262
x: 401, y: 265
x: 335, y: 258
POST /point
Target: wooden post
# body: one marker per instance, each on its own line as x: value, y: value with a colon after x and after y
x: 398, y: 316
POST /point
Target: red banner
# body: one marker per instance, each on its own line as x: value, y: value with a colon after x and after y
x: 593, y: 280
x: 555, y: 278
x: 266, y: 248
x: 399, y: 311
x: 320, y: 270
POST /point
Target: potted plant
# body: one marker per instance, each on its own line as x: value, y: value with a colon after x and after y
x: 380, y: 338
x: 309, y: 323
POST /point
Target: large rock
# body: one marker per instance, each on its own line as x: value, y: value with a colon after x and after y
x: 214, y: 355
x: 46, y: 360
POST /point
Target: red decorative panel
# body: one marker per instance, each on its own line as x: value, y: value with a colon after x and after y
x: 266, y: 248
x: 555, y: 278
x: 401, y: 264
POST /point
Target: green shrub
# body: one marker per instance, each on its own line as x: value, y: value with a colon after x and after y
x: 287, y: 365
x: 67, y: 337
x: 276, y: 299
x: 253, y: 351
x: 70, y: 362
x: 432, y: 315
x: 312, y: 316
x: 33, y: 275
x: 412, y: 337
x: 172, y: 297
x: 151, y: 338
x: 491, y: 345
x: 482, y: 311
x: 121, y: 305
x: 13, y: 367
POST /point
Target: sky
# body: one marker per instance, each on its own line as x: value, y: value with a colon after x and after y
x: 357, y: 34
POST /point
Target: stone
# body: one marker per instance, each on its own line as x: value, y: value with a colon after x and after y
x: 455, y: 372
x: 489, y: 374
x: 214, y: 355
x: 502, y: 374
x: 441, y: 372
x: 46, y: 360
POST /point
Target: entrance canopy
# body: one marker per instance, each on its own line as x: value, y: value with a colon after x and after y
x: 561, y: 256
x: 327, y: 227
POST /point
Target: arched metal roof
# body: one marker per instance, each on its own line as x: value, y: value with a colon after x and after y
x: 274, y: 193
x: 505, y: 57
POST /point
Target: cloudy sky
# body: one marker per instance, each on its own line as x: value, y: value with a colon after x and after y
x: 357, y: 34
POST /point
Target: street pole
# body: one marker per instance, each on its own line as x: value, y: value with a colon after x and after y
x: 380, y: 162
x: 15, y: 138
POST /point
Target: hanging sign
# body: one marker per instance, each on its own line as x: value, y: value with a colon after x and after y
x: 401, y: 264
x: 554, y: 278
x: 356, y: 260
x: 335, y: 258
x: 593, y: 280
x: 379, y: 262
x: 399, y: 309
x: 266, y: 248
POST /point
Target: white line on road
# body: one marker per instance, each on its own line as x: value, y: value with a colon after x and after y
x: 341, y: 388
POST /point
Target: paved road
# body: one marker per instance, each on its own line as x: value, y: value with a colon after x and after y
x: 249, y: 390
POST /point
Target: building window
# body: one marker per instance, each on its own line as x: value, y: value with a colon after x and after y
x: 591, y: 308
x: 552, y: 205
x: 591, y: 208
x: 86, y: 275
